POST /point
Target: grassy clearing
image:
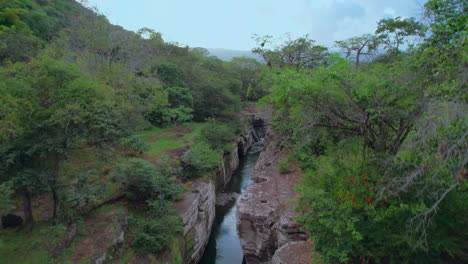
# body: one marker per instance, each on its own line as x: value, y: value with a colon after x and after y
x: 172, y: 137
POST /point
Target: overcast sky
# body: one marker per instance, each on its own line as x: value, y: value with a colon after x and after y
x: 230, y: 24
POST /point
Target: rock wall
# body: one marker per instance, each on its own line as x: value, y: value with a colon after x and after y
x: 264, y: 212
x: 198, y: 212
x: 231, y: 159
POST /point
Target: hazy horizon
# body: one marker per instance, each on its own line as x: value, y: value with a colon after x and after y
x: 231, y: 24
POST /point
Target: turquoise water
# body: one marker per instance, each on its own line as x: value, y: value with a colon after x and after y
x: 224, y: 245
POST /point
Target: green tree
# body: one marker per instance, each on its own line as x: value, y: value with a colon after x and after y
x: 359, y: 46
x: 199, y: 160
x: 247, y: 70
x: 444, y: 53
x: 394, y: 31
x: 170, y: 74
x: 147, y: 182
x: 217, y: 136
x: 297, y: 53
x: 66, y: 109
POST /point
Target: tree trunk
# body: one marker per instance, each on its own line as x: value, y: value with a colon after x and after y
x: 55, y: 199
x: 28, y: 216
x: 358, y: 54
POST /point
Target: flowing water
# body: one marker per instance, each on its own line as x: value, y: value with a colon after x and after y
x: 224, y: 245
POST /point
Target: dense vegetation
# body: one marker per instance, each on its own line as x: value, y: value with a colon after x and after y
x: 382, y: 141
x: 380, y: 134
x: 75, y: 93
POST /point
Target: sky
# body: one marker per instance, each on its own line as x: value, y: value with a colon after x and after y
x: 230, y: 24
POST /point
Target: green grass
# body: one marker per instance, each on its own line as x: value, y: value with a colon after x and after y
x: 169, y: 141
x: 28, y: 247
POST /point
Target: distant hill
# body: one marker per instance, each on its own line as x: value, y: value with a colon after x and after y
x: 227, y: 54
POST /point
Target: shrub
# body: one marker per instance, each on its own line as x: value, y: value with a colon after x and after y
x: 199, y: 159
x: 156, y: 232
x: 134, y: 144
x: 147, y: 182
x: 283, y: 166
x: 217, y: 136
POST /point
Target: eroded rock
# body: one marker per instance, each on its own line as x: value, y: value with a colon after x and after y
x: 299, y: 252
x: 264, y: 211
x: 223, y: 199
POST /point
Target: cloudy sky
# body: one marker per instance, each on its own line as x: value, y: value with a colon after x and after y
x: 230, y: 24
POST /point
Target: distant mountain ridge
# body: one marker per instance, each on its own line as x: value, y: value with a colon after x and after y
x: 227, y: 54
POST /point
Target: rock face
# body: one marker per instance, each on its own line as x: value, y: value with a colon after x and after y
x: 223, y: 199
x: 293, y: 253
x: 264, y: 213
x: 198, y: 212
x: 231, y: 159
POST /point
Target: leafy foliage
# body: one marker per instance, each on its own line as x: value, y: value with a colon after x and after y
x: 155, y: 234
x: 148, y: 182
x: 384, y: 144
x: 134, y: 144
x: 6, y: 192
x: 358, y: 46
x: 393, y: 31
x: 217, y: 135
x: 199, y: 160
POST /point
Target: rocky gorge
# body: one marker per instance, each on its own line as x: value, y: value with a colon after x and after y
x: 265, y: 224
x: 264, y: 216
x: 197, y: 209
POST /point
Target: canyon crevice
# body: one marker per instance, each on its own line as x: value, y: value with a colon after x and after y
x: 197, y: 209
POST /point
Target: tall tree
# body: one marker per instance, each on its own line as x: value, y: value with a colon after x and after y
x: 394, y: 32
x: 359, y: 46
x: 297, y: 53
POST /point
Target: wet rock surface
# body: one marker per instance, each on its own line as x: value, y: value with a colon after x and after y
x: 223, y: 199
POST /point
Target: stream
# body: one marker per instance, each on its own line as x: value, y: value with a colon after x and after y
x: 224, y: 245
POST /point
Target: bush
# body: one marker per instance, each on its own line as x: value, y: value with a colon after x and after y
x: 199, y: 159
x: 283, y: 166
x: 217, y: 136
x: 134, y: 144
x: 156, y: 232
x: 147, y: 182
